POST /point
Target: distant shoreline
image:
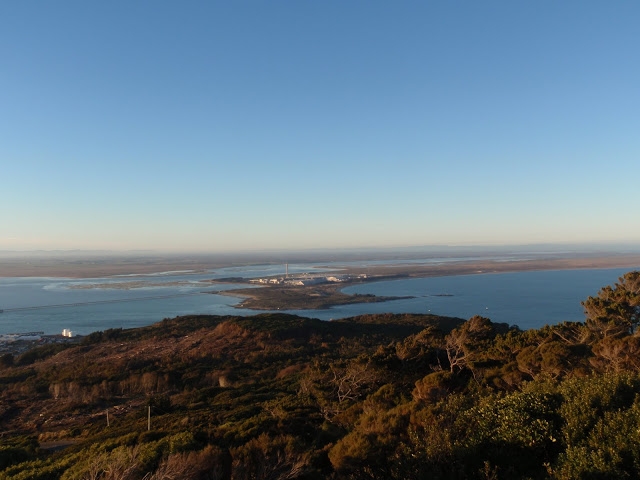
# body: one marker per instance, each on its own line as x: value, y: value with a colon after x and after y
x: 320, y: 297
x: 277, y: 297
x: 11, y: 268
x: 476, y: 267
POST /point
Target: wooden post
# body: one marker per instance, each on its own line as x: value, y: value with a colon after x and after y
x: 149, y: 420
x: 107, y: 417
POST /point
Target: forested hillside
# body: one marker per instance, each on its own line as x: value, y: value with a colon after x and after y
x: 371, y: 397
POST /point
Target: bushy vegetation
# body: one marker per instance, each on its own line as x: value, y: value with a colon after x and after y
x: 372, y: 397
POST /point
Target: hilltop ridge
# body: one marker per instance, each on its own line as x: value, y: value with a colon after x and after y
x: 375, y: 396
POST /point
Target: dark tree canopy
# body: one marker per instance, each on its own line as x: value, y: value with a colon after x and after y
x: 615, y: 311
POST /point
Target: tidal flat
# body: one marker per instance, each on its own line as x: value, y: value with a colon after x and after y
x: 321, y: 297
x: 148, y: 272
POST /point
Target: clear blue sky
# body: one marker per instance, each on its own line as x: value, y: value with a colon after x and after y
x: 206, y: 125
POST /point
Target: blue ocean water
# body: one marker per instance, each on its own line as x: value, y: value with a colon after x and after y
x: 53, y: 304
x: 526, y: 299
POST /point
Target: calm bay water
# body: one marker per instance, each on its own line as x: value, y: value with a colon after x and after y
x: 526, y: 299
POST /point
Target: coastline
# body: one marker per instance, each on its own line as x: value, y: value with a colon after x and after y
x: 19, y: 268
x: 279, y: 297
x: 321, y: 297
x: 13, y: 270
x: 622, y: 264
x: 494, y: 266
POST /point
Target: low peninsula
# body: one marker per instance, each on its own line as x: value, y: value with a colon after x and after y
x: 321, y: 291
x: 282, y: 293
x: 300, y: 297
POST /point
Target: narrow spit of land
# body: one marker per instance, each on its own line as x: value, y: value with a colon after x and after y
x: 28, y: 266
x: 99, y: 268
x: 312, y: 297
x: 315, y: 297
x: 465, y: 267
x: 306, y: 297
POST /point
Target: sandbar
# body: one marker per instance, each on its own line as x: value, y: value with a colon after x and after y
x: 27, y: 266
x: 285, y: 297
